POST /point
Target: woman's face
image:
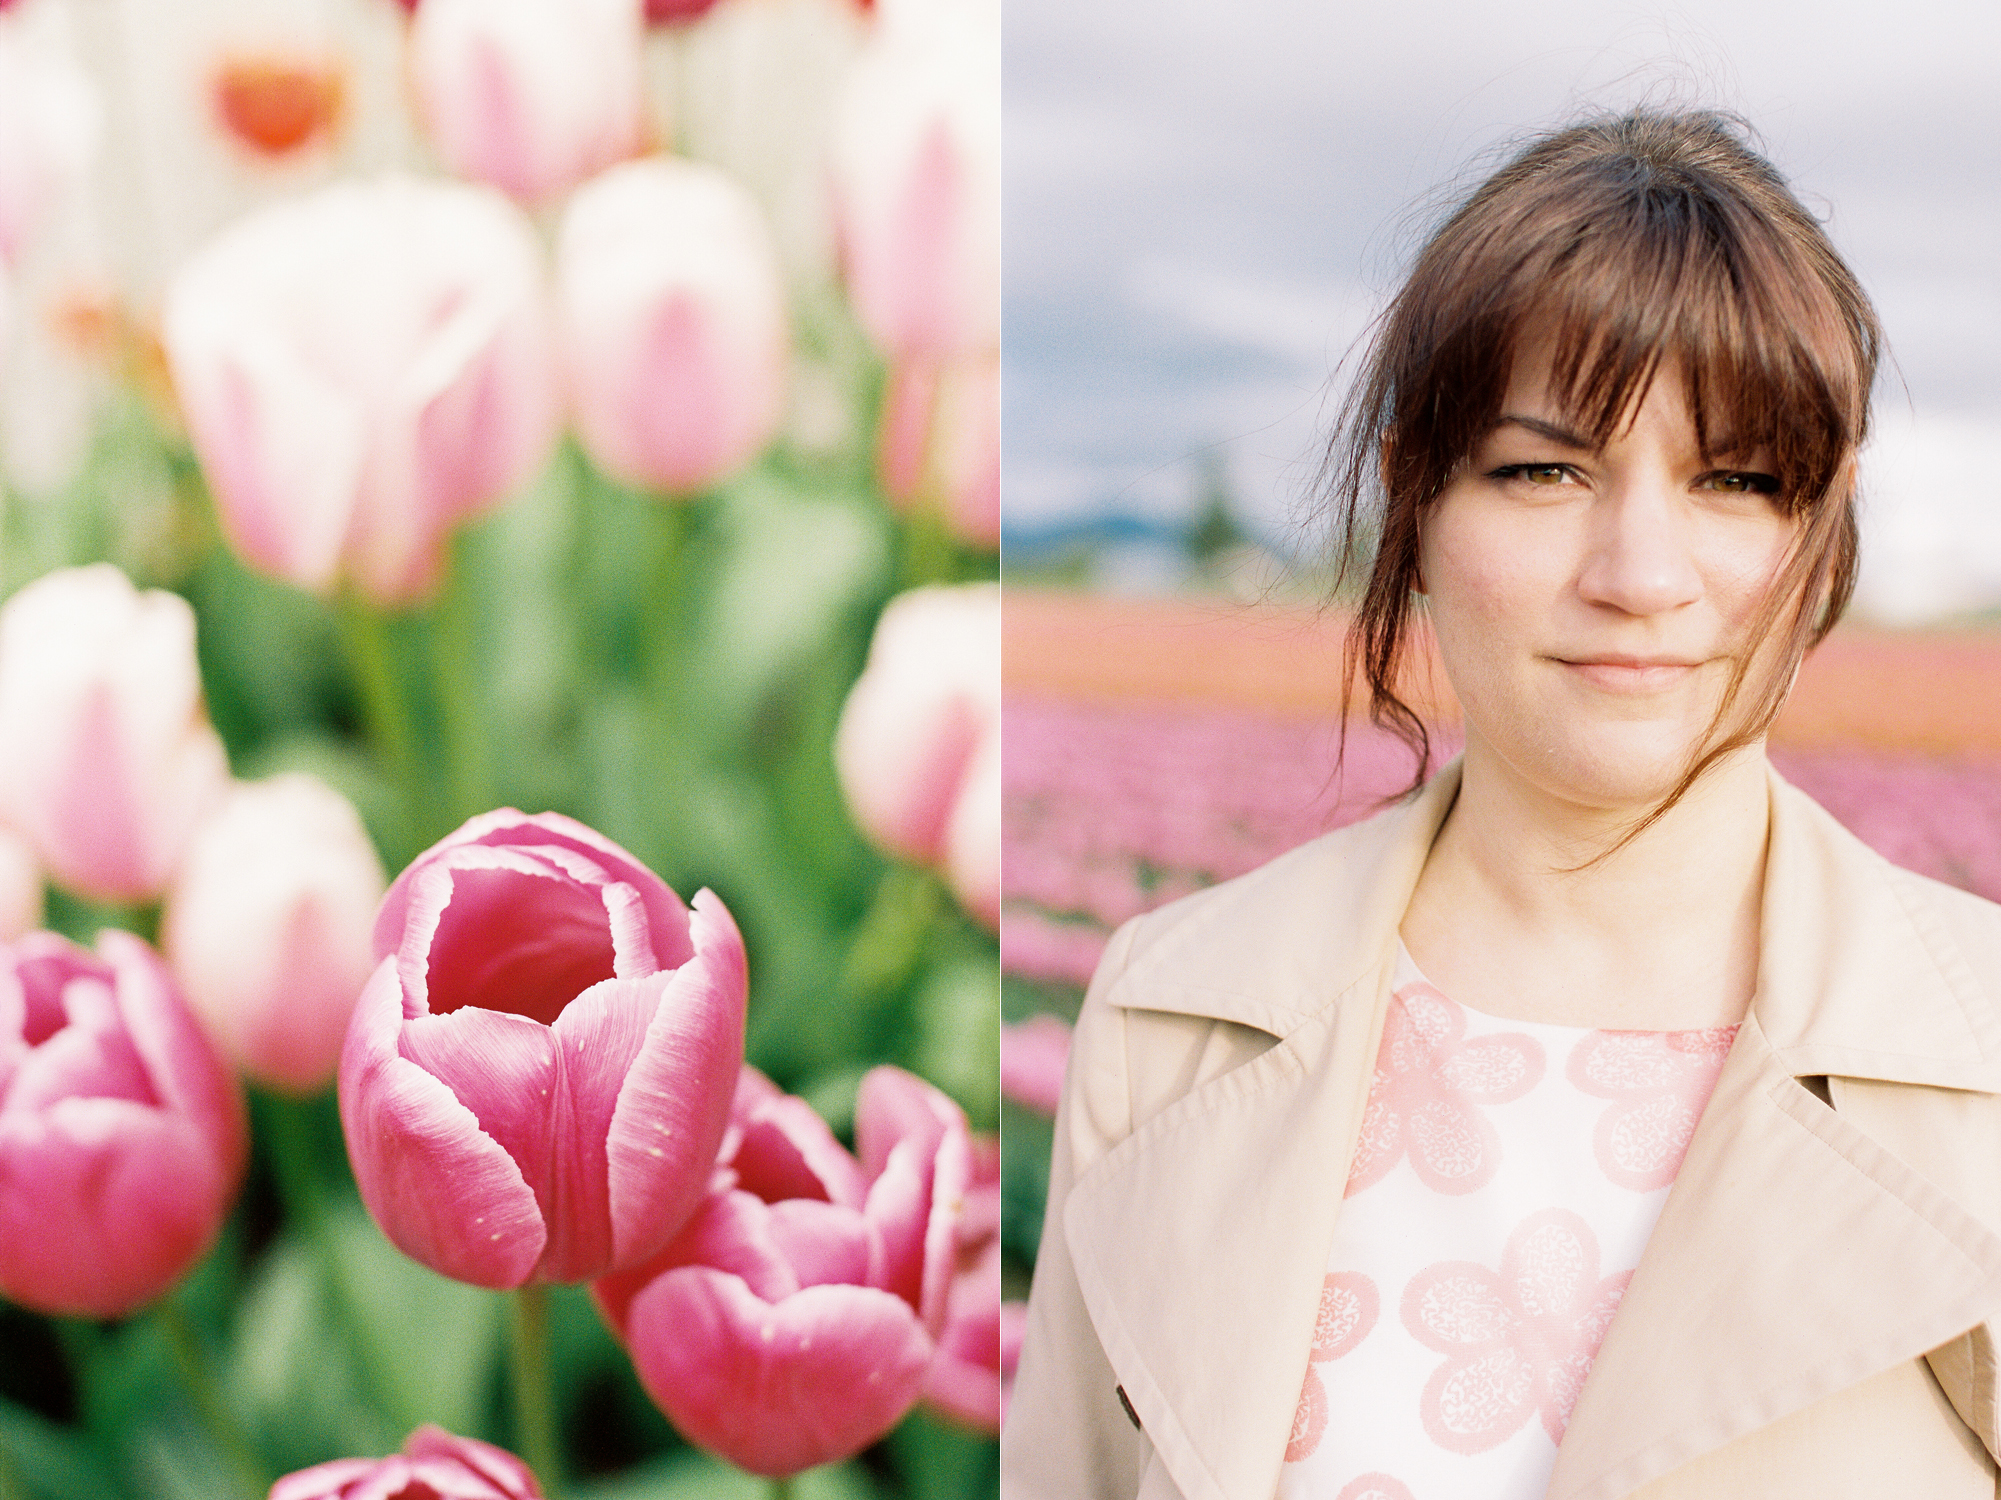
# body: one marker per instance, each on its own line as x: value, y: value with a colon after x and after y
x: 1590, y: 607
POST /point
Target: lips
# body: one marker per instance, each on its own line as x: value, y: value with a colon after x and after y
x: 1629, y: 674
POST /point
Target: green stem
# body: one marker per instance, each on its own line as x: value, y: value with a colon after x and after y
x: 468, y: 764
x: 365, y: 633
x: 292, y: 1156
x: 207, y: 1397
x: 534, y: 1403
x: 781, y: 1488
x: 11, y: 1487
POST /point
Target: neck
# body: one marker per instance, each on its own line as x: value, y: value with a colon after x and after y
x: 1522, y: 912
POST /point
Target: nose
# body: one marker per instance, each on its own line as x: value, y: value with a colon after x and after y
x: 1639, y: 559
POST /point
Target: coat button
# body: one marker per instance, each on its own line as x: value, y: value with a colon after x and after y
x: 1131, y: 1415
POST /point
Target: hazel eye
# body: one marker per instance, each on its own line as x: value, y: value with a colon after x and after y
x: 1538, y: 474
x: 1740, y: 482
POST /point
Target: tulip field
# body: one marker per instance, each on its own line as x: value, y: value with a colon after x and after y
x: 499, y: 750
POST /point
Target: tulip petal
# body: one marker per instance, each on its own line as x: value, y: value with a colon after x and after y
x: 669, y: 1119
x: 497, y: 1466
x: 824, y: 1244
x: 444, y: 1191
x: 787, y: 1151
x: 103, y: 1205
x: 516, y: 939
x: 900, y: 1210
x: 597, y: 1036
x: 549, y: 834
x: 951, y: 1171
x: 731, y: 1231
x: 185, y: 1072
x: 321, y: 1480
x: 776, y: 1388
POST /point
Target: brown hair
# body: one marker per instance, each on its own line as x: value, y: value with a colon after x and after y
x: 1631, y: 240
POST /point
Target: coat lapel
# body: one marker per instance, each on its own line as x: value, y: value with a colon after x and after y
x: 1200, y: 1241
x: 1796, y: 1255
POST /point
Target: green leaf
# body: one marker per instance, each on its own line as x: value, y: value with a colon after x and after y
x: 697, y: 1476
x: 47, y: 1461
x: 439, y: 1338
x: 942, y: 1461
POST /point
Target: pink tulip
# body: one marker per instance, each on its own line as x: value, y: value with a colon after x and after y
x: 269, y: 927
x: 673, y: 323
x: 916, y: 164
x: 981, y: 1343
x: 532, y: 96
x: 434, y: 1465
x: 539, y: 1072
x: 121, y: 1133
x: 20, y: 887
x: 918, y: 747
x: 1033, y: 1055
x: 361, y: 369
x: 940, y: 443
x: 49, y: 121
x: 677, y: 12
x: 793, y: 1321
x: 106, y: 762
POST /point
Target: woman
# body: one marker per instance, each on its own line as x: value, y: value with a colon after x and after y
x: 1609, y: 1053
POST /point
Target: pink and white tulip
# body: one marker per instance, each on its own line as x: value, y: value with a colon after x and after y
x: 269, y: 927
x: 940, y: 443
x: 673, y: 323
x: 434, y: 1465
x: 918, y: 746
x: 122, y: 1136
x: 49, y: 125
x: 106, y: 760
x: 361, y: 369
x: 532, y: 96
x: 916, y: 163
x: 538, y: 1074
x: 794, y: 1320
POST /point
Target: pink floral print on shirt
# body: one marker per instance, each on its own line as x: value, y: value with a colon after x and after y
x: 1429, y: 1086
x: 1518, y: 1341
x: 1375, y: 1487
x: 1348, y: 1308
x: 1658, y: 1082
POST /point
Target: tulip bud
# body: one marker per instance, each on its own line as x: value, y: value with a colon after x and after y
x: 532, y: 96
x: 538, y: 1074
x: 121, y: 1133
x: 673, y: 323
x: 49, y: 119
x: 360, y: 369
x: 792, y: 1322
x: 918, y: 746
x: 269, y: 927
x: 106, y: 762
x: 433, y: 1464
x: 916, y: 178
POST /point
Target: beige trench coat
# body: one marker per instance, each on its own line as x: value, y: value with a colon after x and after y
x: 1811, y: 1317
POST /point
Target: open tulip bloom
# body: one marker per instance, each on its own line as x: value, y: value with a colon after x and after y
x: 537, y: 1078
x: 121, y: 1133
x: 434, y: 1465
x: 793, y: 1321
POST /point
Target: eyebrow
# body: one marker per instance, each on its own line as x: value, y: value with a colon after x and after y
x: 1548, y: 430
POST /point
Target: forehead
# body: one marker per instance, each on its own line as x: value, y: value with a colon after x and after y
x: 1537, y: 388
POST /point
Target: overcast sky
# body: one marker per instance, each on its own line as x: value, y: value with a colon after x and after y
x: 1207, y: 199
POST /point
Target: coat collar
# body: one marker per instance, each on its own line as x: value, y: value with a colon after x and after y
x: 1234, y: 1187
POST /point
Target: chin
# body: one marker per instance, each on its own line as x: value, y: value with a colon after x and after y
x: 1628, y: 767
